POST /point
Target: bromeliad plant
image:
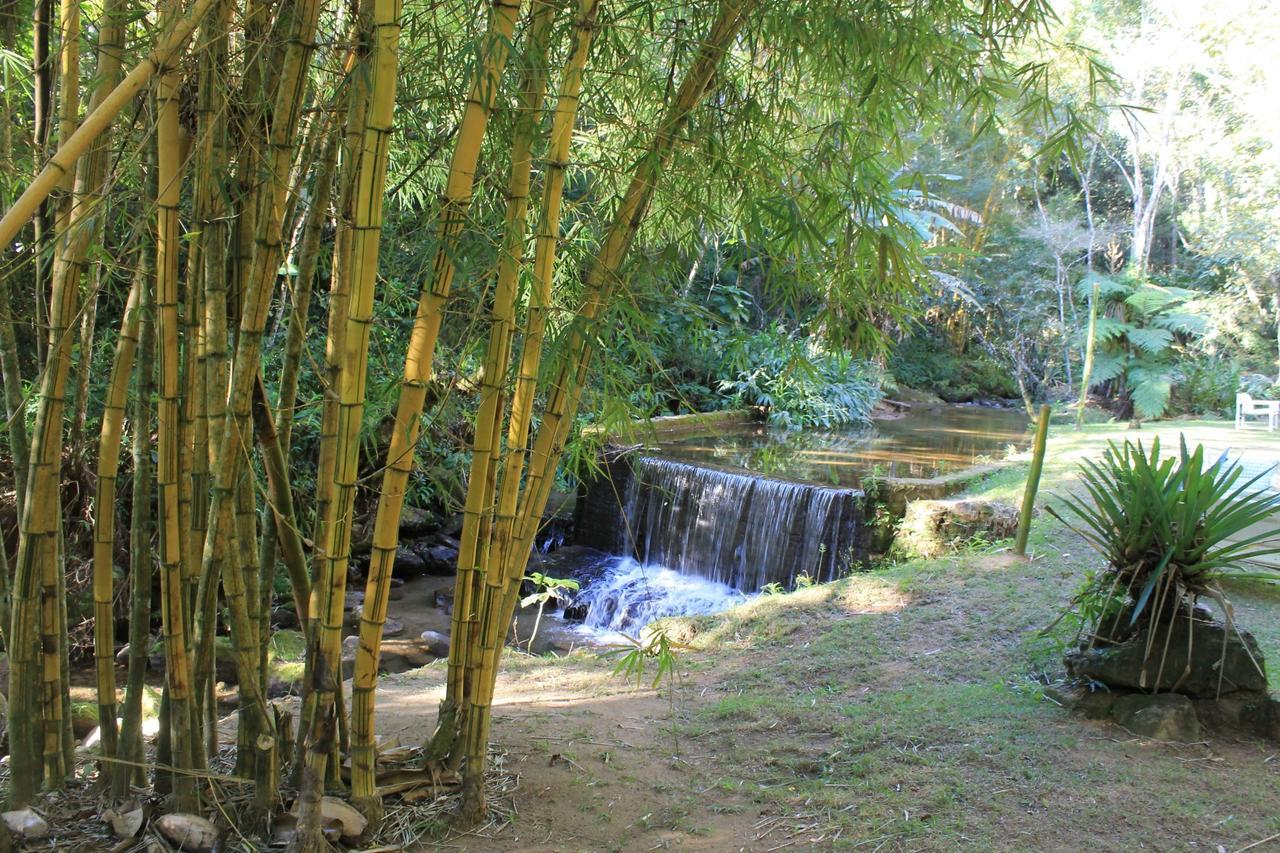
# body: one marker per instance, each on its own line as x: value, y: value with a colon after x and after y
x: 1171, y: 529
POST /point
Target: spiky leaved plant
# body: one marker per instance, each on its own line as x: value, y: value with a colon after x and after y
x: 1171, y: 529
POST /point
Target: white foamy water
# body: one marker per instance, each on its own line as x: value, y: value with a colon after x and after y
x: 628, y: 596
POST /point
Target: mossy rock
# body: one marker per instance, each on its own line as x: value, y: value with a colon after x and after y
x: 1164, y: 716
x: 932, y: 528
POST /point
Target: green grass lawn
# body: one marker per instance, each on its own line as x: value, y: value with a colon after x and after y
x: 904, y: 706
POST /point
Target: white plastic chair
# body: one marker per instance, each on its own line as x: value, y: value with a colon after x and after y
x: 1246, y: 406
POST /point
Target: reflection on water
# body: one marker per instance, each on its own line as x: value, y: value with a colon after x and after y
x: 924, y: 443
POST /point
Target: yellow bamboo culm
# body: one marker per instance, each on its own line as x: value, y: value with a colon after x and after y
x: 213, y: 364
x: 236, y: 435
x: 366, y: 203
x: 172, y: 554
x: 419, y: 357
x: 517, y: 524
x: 99, y: 119
x: 70, y: 244
x: 486, y: 642
x: 357, y: 84
x: 104, y: 524
x: 493, y: 53
x: 488, y: 419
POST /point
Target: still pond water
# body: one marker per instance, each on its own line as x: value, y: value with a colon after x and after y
x: 922, y: 443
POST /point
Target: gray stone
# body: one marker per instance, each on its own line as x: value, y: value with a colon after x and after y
x: 899, y: 492
x: 931, y: 528
x: 1164, y: 716
x: 408, y: 562
x: 436, y: 643
x: 415, y: 521
x: 1081, y: 700
x: 395, y: 656
x: 401, y: 656
x: 440, y: 560
x: 1204, y: 675
x: 396, y: 592
x: 443, y: 600
x: 1256, y: 714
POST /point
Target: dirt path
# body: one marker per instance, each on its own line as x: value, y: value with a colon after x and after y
x: 600, y: 764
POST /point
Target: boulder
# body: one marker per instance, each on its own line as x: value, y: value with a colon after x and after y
x: 396, y: 592
x: 415, y: 521
x: 27, y: 824
x: 440, y: 560
x: 401, y: 656
x: 1164, y: 716
x: 1256, y: 714
x: 395, y: 656
x: 1205, y: 673
x: 931, y: 528
x: 436, y: 643
x: 408, y: 563
x: 1082, y: 700
x: 188, y: 832
x: 443, y: 600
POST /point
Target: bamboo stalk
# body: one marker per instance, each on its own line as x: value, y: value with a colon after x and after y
x: 258, y: 287
x: 567, y: 387
x: 42, y: 74
x: 308, y: 254
x: 214, y: 367
x: 104, y: 525
x: 383, y: 34
x: 358, y: 83
x: 492, y: 58
x: 140, y: 551
x: 281, y: 501
x: 172, y: 554
x: 486, y: 444
x: 492, y: 629
x: 1033, y: 482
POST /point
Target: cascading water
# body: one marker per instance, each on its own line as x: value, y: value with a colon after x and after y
x: 736, y: 529
x: 696, y: 539
x: 629, y: 595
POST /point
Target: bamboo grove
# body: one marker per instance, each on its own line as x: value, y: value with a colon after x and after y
x: 219, y: 171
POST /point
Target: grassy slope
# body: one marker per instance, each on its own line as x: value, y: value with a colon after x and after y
x: 907, y: 704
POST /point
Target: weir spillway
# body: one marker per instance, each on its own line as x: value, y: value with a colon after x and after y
x: 738, y: 529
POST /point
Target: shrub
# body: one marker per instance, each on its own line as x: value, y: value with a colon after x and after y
x: 801, y: 384
x: 1205, y: 385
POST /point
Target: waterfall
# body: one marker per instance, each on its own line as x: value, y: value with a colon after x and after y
x: 688, y: 539
x: 739, y: 530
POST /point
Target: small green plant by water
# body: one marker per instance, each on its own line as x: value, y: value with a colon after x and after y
x: 546, y: 589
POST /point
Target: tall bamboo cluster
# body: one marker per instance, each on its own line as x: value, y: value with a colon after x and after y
x: 251, y: 142
x: 225, y: 167
x: 509, y: 483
